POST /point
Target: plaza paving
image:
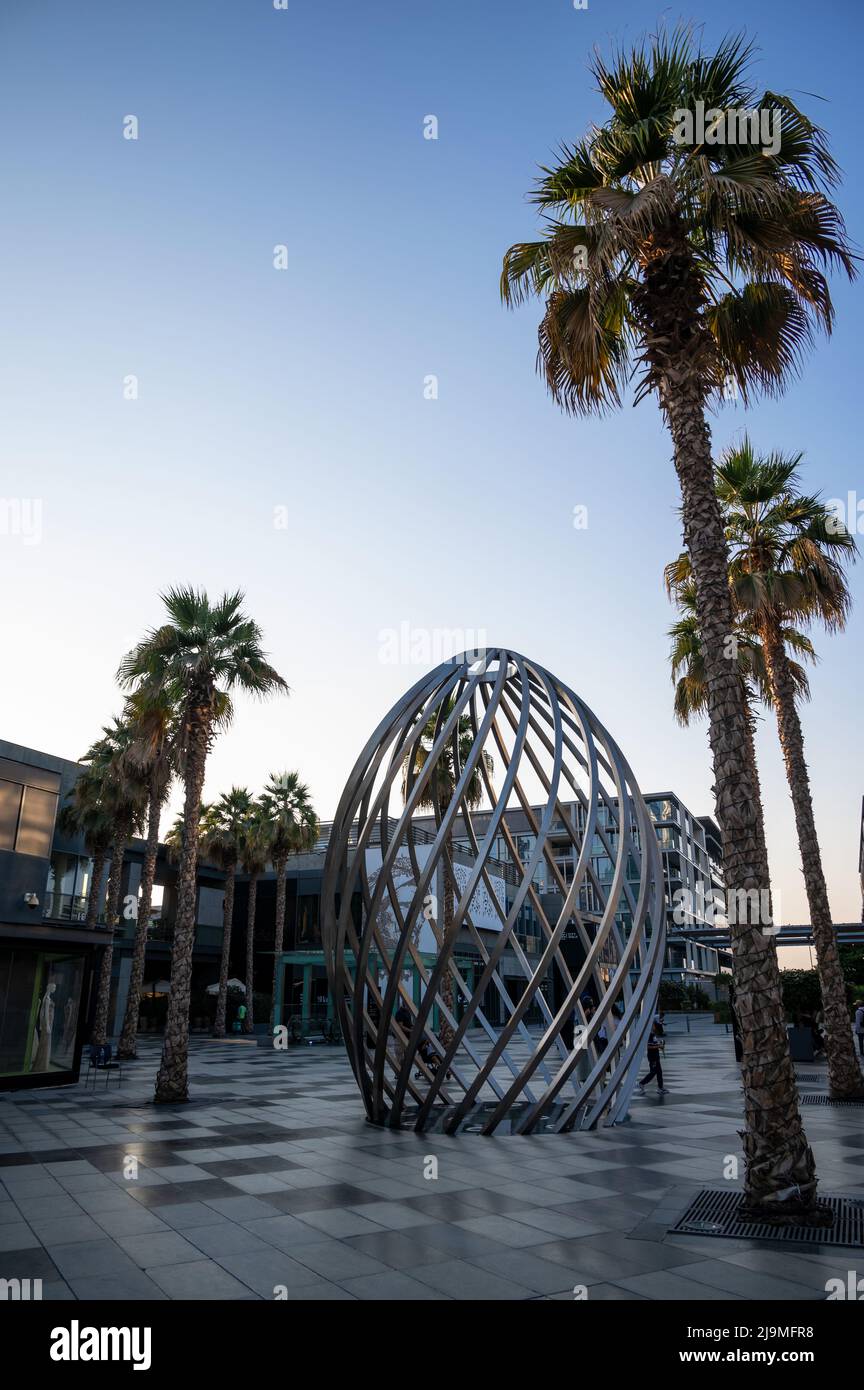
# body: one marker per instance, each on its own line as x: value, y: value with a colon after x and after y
x: 271, y: 1178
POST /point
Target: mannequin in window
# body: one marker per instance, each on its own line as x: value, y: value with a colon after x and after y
x: 44, y: 1025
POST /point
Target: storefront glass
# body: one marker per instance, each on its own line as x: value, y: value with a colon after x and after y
x: 40, y: 998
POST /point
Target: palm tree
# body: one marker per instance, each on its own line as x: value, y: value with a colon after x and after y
x: 174, y: 836
x: 687, y: 265
x: 121, y: 792
x: 221, y: 840
x: 437, y: 796
x: 787, y: 554
x: 688, y: 663
x: 254, y: 857
x: 197, y: 657
x: 152, y: 755
x: 292, y: 828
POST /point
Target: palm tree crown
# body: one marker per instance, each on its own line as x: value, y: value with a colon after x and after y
x: 787, y: 548
x: 441, y: 787
x: 204, y: 651
x: 687, y: 660
x: 753, y: 224
x: 292, y: 825
x: 114, y: 780
x: 222, y: 826
x: 86, y: 814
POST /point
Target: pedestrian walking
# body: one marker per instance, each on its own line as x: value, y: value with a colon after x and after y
x: 403, y: 1018
x: 655, y: 1047
x: 859, y: 1024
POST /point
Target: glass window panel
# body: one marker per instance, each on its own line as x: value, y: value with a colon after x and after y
x: 36, y: 826
x: 40, y: 995
x: 28, y: 776
x: 18, y: 975
x: 210, y: 904
x: 82, y: 877
x: 55, y: 1021
x: 62, y: 872
x: 308, y: 931
x: 10, y: 804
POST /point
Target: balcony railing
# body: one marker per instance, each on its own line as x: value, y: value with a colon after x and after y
x: 68, y: 907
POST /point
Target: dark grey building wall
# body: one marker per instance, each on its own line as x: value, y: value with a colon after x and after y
x: 28, y: 873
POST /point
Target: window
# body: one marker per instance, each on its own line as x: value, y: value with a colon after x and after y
x: 10, y: 806
x: 525, y: 844
x: 40, y: 994
x: 36, y: 826
x: 210, y: 907
x: 308, y: 931
x: 28, y: 807
x: 68, y: 886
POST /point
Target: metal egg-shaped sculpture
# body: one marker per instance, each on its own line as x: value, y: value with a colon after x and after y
x: 493, y: 908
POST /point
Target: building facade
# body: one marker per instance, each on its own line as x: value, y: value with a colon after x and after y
x: 49, y: 958
x: 691, y: 854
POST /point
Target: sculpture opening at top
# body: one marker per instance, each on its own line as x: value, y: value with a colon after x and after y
x: 493, y: 909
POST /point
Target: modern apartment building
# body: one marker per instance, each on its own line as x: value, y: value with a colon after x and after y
x: 46, y: 954
x: 48, y: 957
x: 690, y: 853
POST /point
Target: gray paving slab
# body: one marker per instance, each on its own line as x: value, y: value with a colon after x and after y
x: 159, y: 1248
x: 470, y: 1280
x: 199, y: 1280
x: 266, y: 1271
x: 393, y: 1286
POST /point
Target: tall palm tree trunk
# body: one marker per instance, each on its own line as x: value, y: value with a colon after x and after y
x: 844, y: 1074
x: 757, y: 784
x: 126, y: 1048
x: 103, y: 991
x: 95, y: 893
x: 172, y: 1079
x: 278, y: 938
x: 780, y: 1175
x: 225, y: 963
x: 249, y: 1020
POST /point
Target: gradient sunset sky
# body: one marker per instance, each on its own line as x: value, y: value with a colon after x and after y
x: 281, y: 441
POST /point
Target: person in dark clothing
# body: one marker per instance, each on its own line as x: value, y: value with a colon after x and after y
x: 601, y: 1037
x: 654, y: 1067
x: 373, y: 1009
x: 432, y: 1058
x: 402, y: 1016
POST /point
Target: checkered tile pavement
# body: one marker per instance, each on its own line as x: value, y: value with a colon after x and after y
x: 270, y: 1183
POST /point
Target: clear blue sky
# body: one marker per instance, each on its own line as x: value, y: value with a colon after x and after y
x: 303, y: 388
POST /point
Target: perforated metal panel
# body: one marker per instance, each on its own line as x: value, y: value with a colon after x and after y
x: 829, y: 1100
x: 714, y: 1212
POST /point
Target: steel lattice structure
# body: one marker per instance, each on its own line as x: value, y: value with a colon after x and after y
x: 479, y: 736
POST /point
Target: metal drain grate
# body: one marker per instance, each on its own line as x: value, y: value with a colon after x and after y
x: 810, y: 1076
x: 829, y: 1100
x: 715, y: 1213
